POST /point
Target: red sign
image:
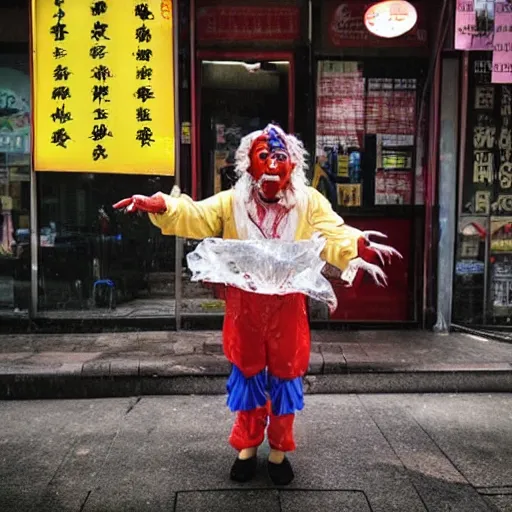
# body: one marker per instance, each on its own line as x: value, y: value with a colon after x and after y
x: 345, y: 27
x: 218, y: 23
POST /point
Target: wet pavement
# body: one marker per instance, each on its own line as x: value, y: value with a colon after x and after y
x: 378, y: 453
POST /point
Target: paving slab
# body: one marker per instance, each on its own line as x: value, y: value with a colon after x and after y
x: 500, y: 503
x: 474, y: 431
x: 41, y: 448
x: 438, y: 482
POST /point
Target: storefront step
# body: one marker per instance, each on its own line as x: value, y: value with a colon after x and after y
x: 169, y: 362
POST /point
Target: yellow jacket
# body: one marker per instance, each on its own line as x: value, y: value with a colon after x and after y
x: 214, y: 217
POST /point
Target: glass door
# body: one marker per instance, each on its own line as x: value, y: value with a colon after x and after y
x: 236, y: 96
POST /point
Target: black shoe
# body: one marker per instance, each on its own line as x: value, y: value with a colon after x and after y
x: 280, y: 474
x: 244, y: 470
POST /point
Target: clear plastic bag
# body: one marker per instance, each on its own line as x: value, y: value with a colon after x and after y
x: 269, y: 267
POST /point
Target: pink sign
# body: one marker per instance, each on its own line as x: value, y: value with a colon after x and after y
x: 468, y: 34
x: 502, y: 54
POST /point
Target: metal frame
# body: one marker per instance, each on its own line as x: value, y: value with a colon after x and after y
x: 34, y: 220
x: 196, y: 95
x: 178, y: 253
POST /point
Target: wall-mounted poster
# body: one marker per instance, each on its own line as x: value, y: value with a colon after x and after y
x: 349, y: 194
x: 502, y: 47
x: 474, y: 24
x: 391, y: 106
x: 393, y: 187
x: 339, y: 104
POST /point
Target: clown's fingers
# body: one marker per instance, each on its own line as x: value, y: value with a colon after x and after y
x: 377, y: 274
x: 132, y: 208
x: 385, y: 251
x: 378, y: 234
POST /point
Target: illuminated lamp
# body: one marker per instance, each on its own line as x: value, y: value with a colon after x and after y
x: 390, y: 18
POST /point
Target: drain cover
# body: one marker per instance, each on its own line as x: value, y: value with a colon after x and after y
x: 271, y: 501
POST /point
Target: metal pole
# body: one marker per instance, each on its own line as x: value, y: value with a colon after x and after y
x: 177, y: 148
x: 447, y: 194
x: 34, y: 259
x: 34, y: 230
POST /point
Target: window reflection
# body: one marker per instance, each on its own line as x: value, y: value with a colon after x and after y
x: 98, y: 261
x: 14, y: 184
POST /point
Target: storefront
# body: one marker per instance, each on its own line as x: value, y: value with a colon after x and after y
x: 356, y: 100
x: 483, y: 269
x: 360, y: 103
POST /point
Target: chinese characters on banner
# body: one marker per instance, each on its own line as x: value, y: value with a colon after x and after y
x: 103, y: 86
x: 502, y: 54
x: 474, y: 24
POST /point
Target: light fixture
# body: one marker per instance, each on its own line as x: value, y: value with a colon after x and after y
x: 390, y: 18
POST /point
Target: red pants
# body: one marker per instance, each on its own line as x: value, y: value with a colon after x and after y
x: 266, y: 332
x: 249, y: 429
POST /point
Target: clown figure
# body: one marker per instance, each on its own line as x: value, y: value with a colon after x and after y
x: 266, y: 337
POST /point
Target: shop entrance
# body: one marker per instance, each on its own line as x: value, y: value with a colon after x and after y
x: 236, y: 94
x: 370, y: 163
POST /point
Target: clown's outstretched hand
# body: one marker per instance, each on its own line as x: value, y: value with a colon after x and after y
x: 139, y: 203
x: 369, y: 254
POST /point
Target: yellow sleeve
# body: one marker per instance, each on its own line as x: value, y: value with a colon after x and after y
x: 341, y: 240
x: 191, y: 219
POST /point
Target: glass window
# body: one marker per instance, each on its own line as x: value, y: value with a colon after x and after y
x: 97, y: 261
x: 367, y: 117
x: 14, y: 184
x: 486, y: 197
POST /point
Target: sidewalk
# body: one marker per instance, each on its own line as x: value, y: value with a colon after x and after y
x: 355, y: 453
x: 153, y: 363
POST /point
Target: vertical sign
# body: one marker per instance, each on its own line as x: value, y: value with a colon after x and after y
x: 502, y: 54
x: 103, y: 86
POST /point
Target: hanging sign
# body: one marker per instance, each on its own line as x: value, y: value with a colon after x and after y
x: 390, y: 18
x: 103, y: 86
x: 346, y: 26
x: 247, y: 23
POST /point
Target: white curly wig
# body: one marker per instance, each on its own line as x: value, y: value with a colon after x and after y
x: 298, y: 157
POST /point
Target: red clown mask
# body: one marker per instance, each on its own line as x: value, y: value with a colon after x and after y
x: 271, y: 166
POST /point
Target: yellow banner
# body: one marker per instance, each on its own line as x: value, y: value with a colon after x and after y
x: 103, y: 86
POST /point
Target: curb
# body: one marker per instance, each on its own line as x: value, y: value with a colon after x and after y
x: 171, y: 381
